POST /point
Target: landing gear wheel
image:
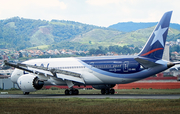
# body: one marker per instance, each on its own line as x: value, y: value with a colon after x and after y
x: 103, y: 91
x: 71, y: 92
x: 66, y: 92
x: 107, y: 91
x: 112, y: 91
x: 26, y: 93
x: 76, y: 92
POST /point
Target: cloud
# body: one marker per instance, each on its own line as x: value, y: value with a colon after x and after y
x: 49, y: 3
x: 35, y: 9
x: 101, y: 2
x: 63, y: 5
x: 96, y: 12
x: 19, y: 4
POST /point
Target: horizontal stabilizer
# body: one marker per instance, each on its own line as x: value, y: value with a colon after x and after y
x: 145, y: 63
x: 178, y: 62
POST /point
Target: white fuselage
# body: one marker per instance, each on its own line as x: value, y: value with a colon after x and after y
x: 91, y: 75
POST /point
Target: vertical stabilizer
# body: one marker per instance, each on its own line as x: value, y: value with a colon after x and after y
x: 154, y: 47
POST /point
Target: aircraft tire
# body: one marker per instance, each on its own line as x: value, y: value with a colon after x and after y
x: 71, y: 92
x: 76, y: 92
x: 26, y: 93
x: 66, y: 92
x: 107, y: 91
x: 103, y: 91
x: 112, y: 91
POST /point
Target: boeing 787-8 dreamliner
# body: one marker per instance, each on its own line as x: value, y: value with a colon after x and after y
x: 101, y: 72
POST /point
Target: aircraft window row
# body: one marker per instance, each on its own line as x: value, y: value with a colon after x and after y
x: 107, y: 62
x: 107, y: 66
x: 103, y: 62
x: 70, y: 67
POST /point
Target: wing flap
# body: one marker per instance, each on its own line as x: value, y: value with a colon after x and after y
x: 40, y: 71
x: 70, y: 78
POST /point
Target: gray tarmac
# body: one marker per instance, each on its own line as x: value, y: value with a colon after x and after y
x: 95, y: 96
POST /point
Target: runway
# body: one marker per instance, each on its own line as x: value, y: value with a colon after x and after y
x: 95, y: 96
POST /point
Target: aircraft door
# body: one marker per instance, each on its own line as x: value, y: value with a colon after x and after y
x: 125, y: 66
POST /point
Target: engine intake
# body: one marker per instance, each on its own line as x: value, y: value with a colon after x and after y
x: 37, y: 83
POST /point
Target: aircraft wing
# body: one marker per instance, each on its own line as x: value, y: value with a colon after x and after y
x: 61, y: 74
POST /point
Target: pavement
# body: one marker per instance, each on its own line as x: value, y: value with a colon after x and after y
x: 95, y: 96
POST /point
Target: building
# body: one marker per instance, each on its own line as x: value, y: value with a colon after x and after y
x: 5, y: 81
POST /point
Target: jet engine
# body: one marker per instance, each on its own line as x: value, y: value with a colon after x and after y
x: 29, y: 83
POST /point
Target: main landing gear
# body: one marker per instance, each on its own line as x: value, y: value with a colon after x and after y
x: 71, y: 92
x: 107, y: 91
x: 26, y: 93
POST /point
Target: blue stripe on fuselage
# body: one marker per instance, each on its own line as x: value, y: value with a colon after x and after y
x: 116, y: 66
x: 139, y: 74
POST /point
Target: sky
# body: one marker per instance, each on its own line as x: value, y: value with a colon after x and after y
x: 94, y: 12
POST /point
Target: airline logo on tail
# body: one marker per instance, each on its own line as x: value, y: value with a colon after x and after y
x: 159, y: 35
x: 155, y: 46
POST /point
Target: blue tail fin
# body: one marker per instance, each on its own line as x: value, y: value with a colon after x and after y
x: 154, y: 47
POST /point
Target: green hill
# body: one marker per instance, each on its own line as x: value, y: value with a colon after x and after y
x: 97, y: 37
x: 133, y: 26
x: 21, y: 33
x: 110, y: 37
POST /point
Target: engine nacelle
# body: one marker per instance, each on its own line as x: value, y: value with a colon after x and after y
x: 29, y: 83
x: 103, y: 86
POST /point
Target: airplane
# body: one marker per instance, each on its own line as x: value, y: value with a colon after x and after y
x: 102, y: 72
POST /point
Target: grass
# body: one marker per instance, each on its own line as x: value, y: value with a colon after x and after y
x: 57, y: 23
x: 91, y: 106
x: 88, y: 106
x: 43, y: 47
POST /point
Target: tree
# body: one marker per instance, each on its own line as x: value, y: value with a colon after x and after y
x: 92, y: 51
x: 20, y: 55
x: 89, y: 42
x: 136, y: 50
x: 126, y: 50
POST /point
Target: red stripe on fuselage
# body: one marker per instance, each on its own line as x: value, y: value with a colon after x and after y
x: 151, y: 51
